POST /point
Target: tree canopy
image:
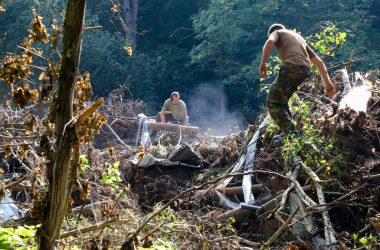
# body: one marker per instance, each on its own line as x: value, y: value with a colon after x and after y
x: 183, y: 44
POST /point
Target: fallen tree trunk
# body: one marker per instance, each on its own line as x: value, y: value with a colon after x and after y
x: 239, y: 190
x: 239, y: 214
x: 176, y: 128
x: 187, y: 130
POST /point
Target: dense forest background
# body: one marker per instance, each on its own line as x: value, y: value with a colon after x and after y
x: 209, y: 50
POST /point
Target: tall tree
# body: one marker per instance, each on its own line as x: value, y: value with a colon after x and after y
x: 130, y: 12
x: 66, y: 143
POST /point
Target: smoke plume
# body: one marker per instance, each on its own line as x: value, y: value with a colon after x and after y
x: 208, y: 109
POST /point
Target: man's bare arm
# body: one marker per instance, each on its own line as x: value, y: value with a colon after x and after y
x: 329, y: 87
x: 267, y: 49
x: 186, y: 121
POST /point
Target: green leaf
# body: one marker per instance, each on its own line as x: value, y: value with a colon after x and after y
x: 83, y: 159
x: 24, y: 232
x: 363, y: 241
x: 355, y: 236
x: 15, y: 238
x: 116, y: 164
x: 6, y: 245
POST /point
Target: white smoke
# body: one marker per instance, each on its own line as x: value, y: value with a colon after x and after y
x: 208, y: 109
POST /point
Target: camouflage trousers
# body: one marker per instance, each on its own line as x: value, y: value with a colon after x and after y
x: 288, y: 80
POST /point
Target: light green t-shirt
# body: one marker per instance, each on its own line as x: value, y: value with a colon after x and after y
x: 179, y: 111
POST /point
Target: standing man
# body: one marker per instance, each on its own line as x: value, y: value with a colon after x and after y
x: 297, y: 58
x: 173, y: 110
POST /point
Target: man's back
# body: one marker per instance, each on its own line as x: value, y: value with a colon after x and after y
x: 291, y: 48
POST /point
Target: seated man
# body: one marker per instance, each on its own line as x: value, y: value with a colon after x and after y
x: 173, y: 110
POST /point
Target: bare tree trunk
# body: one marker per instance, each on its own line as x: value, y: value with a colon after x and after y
x: 130, y: 12
x: 221, y: 68
x: 59, y: 184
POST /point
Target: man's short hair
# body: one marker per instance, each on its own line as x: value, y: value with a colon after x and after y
x: 175, y: 93
x: 274, y: 27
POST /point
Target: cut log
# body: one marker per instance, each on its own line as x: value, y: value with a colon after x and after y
x: 239, y: 190
x: 186, y: 130
x: 211, y: 193
x: 131, y: 124
x: 176, y: 128
x: 239, y: 214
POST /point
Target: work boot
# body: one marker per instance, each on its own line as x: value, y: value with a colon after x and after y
x: 277, y: 139
x: 278, y: 136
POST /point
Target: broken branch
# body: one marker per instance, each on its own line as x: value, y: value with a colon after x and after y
x: 88, y: 112
x: 279, y: 231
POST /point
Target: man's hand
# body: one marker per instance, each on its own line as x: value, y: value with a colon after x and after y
x: 186, y: 121
x: 263, y: 70
x: 162, y: 116
x: 330, y: 90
